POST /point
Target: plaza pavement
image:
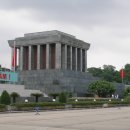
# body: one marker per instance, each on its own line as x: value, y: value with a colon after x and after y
x: 87, y: 119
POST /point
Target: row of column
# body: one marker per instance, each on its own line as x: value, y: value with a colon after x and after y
x: 52, y: 56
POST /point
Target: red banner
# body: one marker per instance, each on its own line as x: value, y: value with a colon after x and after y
x: 122, y: 73
x: 14, y: 57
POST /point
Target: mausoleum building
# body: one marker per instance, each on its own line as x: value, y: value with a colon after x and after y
x: 52, y: 61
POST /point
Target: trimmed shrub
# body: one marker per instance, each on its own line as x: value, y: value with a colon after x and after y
x: 88, y: 104
x: 63, y: 97
x: 42, y: 105
x: 74, y: 104
x: 127, y: 98
x: 93, y: 104
x: 91, y: 99
x: 2, y: 107
x: 5, y: 98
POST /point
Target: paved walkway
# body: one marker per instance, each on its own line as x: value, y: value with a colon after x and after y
x: 89, y: 119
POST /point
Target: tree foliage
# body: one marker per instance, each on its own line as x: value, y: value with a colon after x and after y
x: 127, y: 74
x: 95, y: 71
x: 107, y: 72
x: 101, y: 88
x: 5, y: 98
x: 127, y: 91
x: 63, y: 97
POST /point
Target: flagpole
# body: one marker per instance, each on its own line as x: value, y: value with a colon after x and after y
x: 122, y: 79
x: 122, y: 76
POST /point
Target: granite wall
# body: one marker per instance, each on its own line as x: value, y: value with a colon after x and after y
x: 56, y: 81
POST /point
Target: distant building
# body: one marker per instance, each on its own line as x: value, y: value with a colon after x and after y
x: 53, y: 62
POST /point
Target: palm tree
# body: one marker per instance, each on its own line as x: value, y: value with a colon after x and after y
x: 36, y: 95
x: 14, y: 95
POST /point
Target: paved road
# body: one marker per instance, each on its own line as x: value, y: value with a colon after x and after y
x: 89, y: 119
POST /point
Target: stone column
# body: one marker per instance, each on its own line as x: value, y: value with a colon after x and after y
x: 47, y: 56
x: 38, y: 57
x: 21, y: 58
x: 76, y: 58
x: 30, y: 58
x: 18, y: 58
x: 12, y: 50
x: 58, y: 56
x: 16, y: 50
x: 65, y: 66
x: 70, y: 57
x: 85, y: 60
x: 81, y: 59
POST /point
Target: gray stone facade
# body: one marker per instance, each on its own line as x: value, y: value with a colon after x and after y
x: 51, y: 50
x: 53, y: 61
x: 56, y: 81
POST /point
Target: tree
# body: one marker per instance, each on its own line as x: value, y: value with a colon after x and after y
x: 109, y: 68
x: 5, y: 98
x: 101, y: 88
x: 127, y: 74
x: 108, y: 73
x: 127, y: 67
x: 63, y: 97
x: 14, y: 95
x: 95, y: 71
x: 36, y: 95
x: 127, y: 91
x: 54, y: 95
x: 116, y: 77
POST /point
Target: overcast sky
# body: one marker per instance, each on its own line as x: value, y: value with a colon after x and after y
x: 103, y: 23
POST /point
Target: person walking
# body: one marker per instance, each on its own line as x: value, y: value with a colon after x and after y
x: 37, y: 110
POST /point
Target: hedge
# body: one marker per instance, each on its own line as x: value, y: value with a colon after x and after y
x: 98, y: 103
x: 92, y: 99
x: 42, y: 105
x: 2, y: 107
x: 78, y: 104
